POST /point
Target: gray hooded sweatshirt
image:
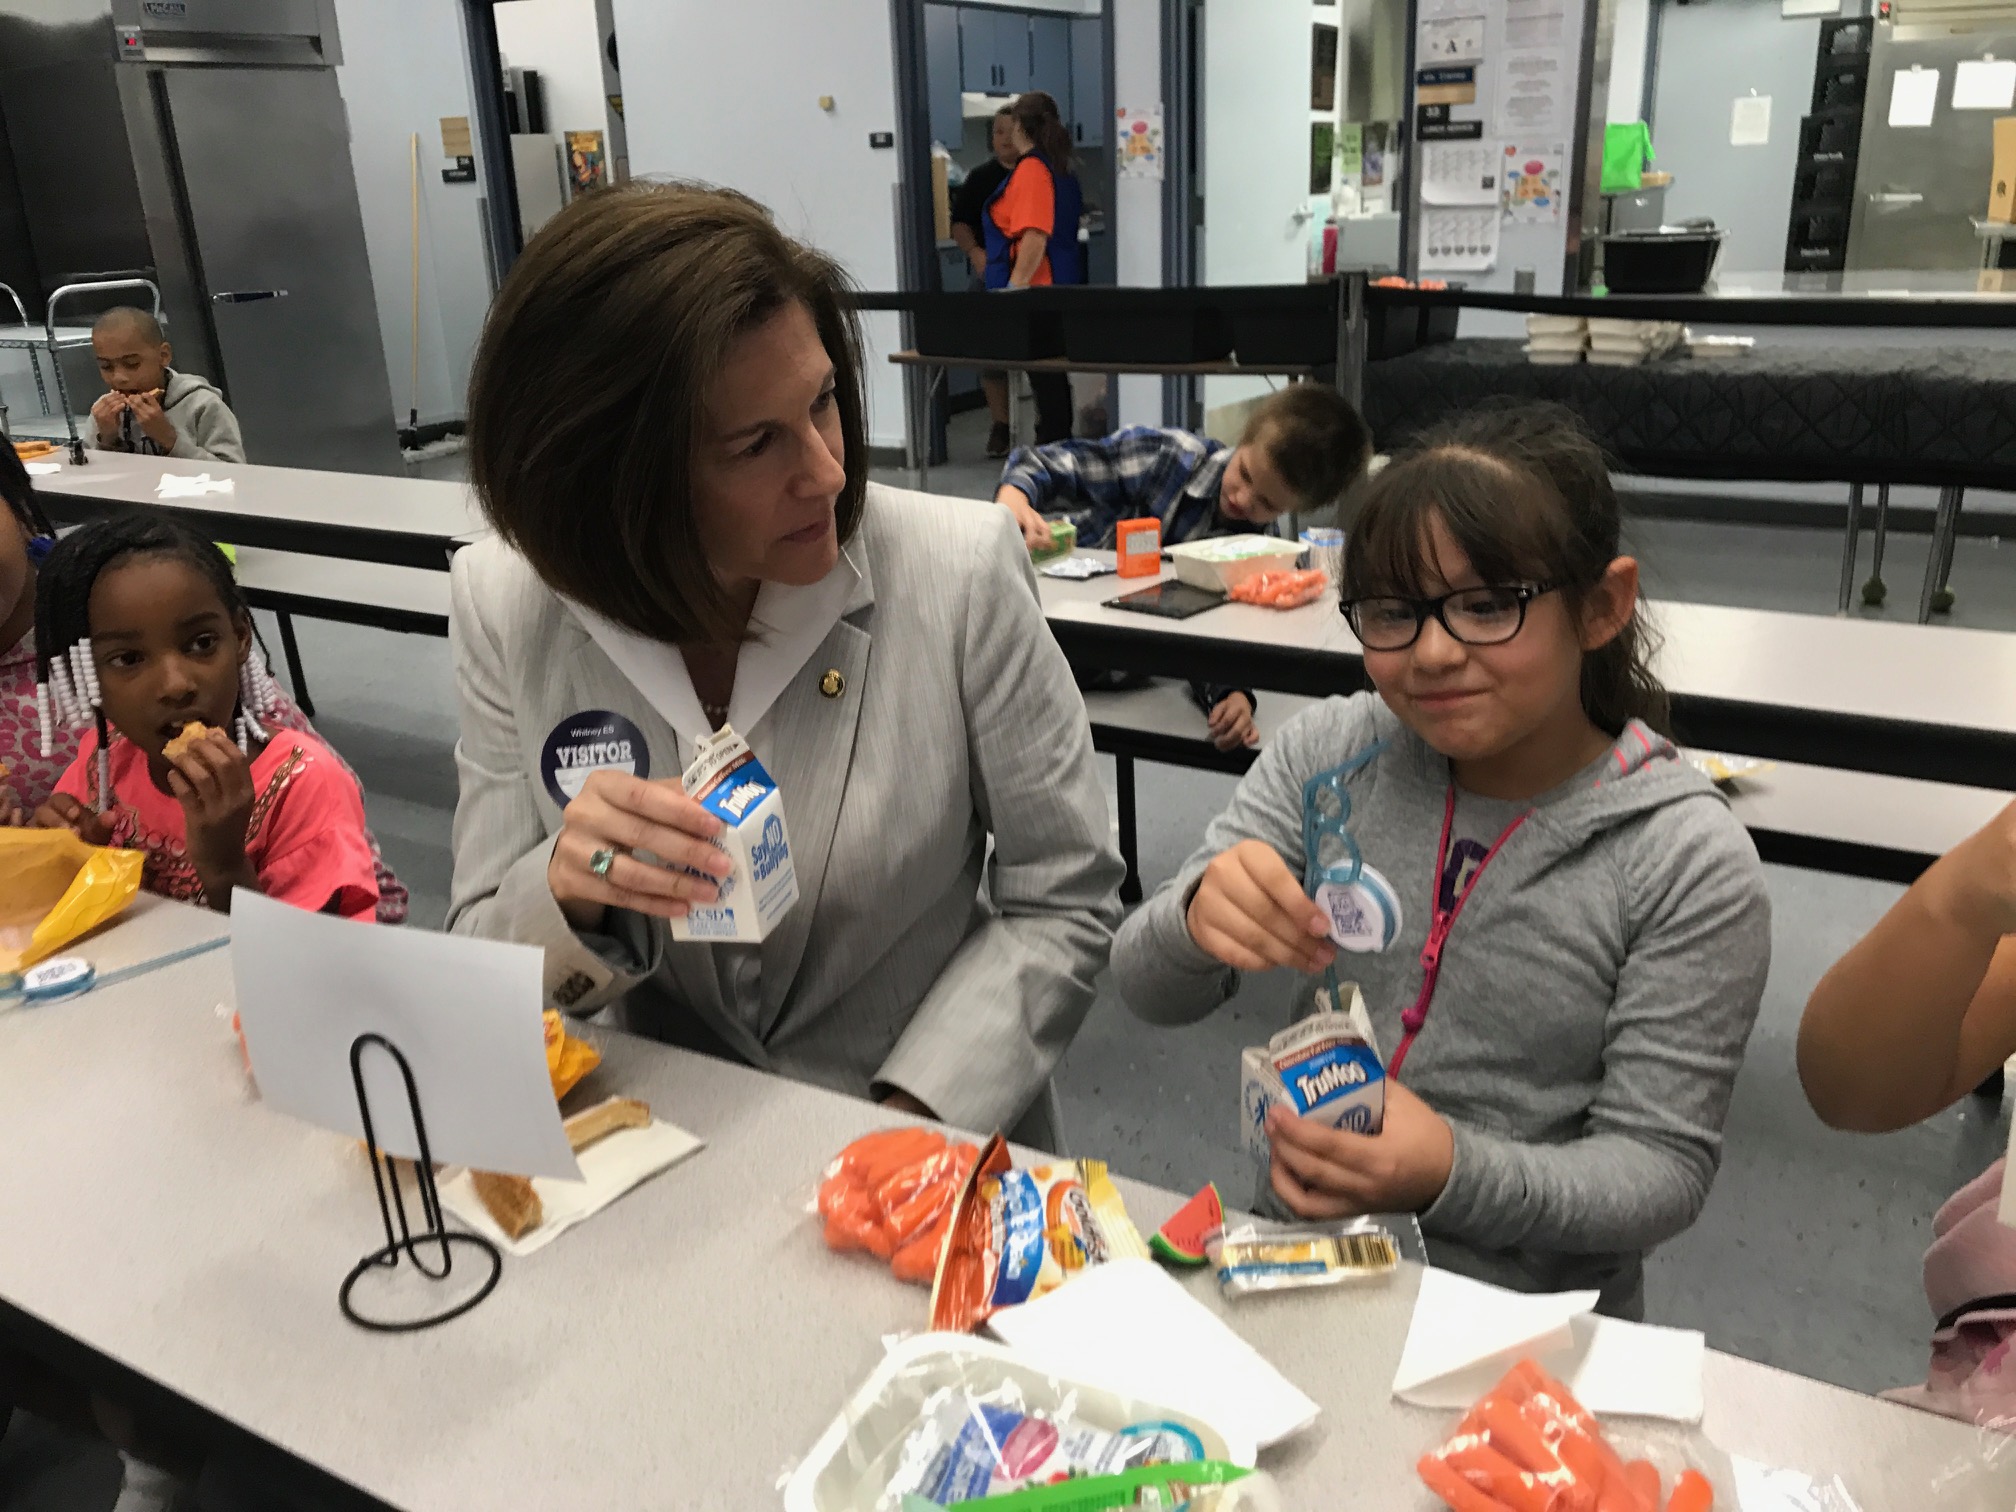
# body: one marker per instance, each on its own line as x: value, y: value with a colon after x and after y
x: 205, y: 428
x: 1595, y: 997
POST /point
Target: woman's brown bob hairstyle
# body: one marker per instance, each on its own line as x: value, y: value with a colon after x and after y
x: 586, y: 400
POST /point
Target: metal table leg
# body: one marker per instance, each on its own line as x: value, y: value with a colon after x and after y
x: 1874, y: 591
x: 1848, y: 548
x: 1130, y: 842
x: 1942, y: 596
x: 293, y: 649
x: 1942, y: 528
x: 1015, y: 381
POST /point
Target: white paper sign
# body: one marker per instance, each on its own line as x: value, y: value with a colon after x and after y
x: 1532, y: 93
x: 1750, y: 121
x: 465, y: 1014
x: 1984, y: 84
x: 1456, y: 39
x: 1138, y: 135
x: 1914, y: 96
x: 1460, y: 173
x: 1459, y: 240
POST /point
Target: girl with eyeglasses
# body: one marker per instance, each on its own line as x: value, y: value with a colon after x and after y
x: 1561, y: 932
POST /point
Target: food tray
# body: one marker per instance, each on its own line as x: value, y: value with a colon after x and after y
x: 1222, y: 562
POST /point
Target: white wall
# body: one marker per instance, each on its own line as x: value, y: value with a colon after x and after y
x: 558, y: 38
x: 403, y: 70
x: 1137, y: 203
x: 730, y: 93
x: 1627, y: 60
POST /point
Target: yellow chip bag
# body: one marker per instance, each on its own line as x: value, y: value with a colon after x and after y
x: 54, y: 888
x: 567, y: 1059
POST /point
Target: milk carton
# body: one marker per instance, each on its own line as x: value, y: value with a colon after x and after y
x: 729, y: 782
x: 1324, y: 1067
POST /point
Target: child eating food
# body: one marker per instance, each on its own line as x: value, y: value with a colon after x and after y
x: 1579, y: 930
x: 147, y: 406
x: 144, y: 641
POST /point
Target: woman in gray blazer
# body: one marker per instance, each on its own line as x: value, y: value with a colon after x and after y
x: 666, y: 429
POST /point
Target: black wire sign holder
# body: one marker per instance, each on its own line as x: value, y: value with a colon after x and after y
x: 401, y: 1241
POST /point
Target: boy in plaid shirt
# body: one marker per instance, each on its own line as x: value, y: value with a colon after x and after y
x: 1302, y: 450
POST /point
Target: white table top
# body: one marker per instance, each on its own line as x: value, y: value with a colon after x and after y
x: 681, y: 1348
x: 446, y: 512
x: 413, y: 589
x: 1914, y: 674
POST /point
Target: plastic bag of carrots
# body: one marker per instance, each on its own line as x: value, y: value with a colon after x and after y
x: 890, y: 1193
x: 1285, y: 588
x: 1529, y: 1446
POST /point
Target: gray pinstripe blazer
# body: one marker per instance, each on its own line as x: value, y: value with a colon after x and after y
x: 915, y: 957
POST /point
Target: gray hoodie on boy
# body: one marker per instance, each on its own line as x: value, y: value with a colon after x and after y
x: 1595, y: 995
x: 205, y: 428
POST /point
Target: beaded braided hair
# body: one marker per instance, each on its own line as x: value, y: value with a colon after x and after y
x: 66, y: 674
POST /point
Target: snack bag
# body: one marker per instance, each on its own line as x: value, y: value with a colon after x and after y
x: 1016, y: 1234
x: 54, y: 888
x: 1325, y: 1066
x: 890, y: 1193
x: 1284, y: 588
x: 1529, y: 1446
x: 567, y: 1059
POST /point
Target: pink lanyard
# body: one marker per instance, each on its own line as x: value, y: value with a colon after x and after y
x: 1440, y: 923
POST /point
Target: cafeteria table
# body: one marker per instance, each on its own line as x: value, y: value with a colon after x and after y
x: 403, y: 522
x: 680, y: 1349
x: 1934, y: 703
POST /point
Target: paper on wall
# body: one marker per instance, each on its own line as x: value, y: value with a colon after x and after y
x: 1455, y: 39
x: 1914, y: 96
x: 465, y: 1014
x: 1535, y: 23
x: 1459, y: 239
x: 1532, y: 183
x: 1531, y: 93
x: 1140, y: 139
x: 1984, y: 84
x: 1750, y: 121
x: 1460, y: 173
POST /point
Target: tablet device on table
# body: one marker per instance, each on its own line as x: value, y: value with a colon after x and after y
x: 1171, y: 600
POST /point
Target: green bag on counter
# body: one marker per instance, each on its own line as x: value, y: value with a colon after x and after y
x: 1627, y: 151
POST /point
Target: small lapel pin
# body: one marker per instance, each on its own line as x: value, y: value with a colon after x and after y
x: 832, y: 684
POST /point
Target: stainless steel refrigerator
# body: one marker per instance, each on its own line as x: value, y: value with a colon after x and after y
x: 204, y: 143
x: 1919, y: 188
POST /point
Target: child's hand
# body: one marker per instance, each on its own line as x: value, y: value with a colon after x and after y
x: 106, y: 412
x: 1326, y: 1173
x: 148, y: 412
x: 1232, y: 723
x: 1250, y: 912
x: 64, y: 812
x: 212, y: 781
x: 1035, y: 529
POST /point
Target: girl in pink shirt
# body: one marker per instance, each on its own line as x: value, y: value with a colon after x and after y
x: 141, y: 631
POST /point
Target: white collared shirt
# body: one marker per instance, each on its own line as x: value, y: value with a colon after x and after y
x: 790, y: 623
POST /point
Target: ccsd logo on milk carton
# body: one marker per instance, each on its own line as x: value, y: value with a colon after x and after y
x: 1325, y: 1067
x: 730, y: 783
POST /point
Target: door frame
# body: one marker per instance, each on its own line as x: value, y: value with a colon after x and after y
x: 498, y: 213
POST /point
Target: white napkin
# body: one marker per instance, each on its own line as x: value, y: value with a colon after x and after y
x: 610, y: 1167
x: 42, y: 469
x: 176, y: 486
x: 1466, y: 1334
x: 1131, y: 1328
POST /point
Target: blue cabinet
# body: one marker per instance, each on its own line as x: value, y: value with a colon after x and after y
x: 941, y: 73
x: 1050, y: 59
x: 993, y: 50
x: 1089, y: 109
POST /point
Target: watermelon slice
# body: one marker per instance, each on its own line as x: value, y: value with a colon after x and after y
x: 1180, y: 1241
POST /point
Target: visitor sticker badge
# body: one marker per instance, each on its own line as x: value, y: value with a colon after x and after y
x: 594, y: 740
x: 1364, y: 915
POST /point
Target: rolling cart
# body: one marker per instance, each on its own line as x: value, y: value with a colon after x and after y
x: 55, y: 337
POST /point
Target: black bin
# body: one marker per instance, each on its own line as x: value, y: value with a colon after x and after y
x: 1141, y: 326
x: 1392, y: 329
x: 1666, y: 261
x: 1280, y: 323
x: 998, y: 327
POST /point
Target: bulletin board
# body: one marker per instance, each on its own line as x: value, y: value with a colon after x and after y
x: 1498, y: 109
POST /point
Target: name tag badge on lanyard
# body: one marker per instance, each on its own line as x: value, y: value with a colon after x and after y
x: 594, y: 740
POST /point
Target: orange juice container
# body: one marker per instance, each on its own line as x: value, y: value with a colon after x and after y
x: 1139, y: 547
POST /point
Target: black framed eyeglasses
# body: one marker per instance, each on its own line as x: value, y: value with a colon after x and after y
x: 1474, y: 616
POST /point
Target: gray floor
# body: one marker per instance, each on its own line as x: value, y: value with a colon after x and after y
x: 1807, y: 1255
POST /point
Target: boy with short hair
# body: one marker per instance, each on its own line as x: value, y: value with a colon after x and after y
x: 150, y: 408
x: 1302, y: 450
